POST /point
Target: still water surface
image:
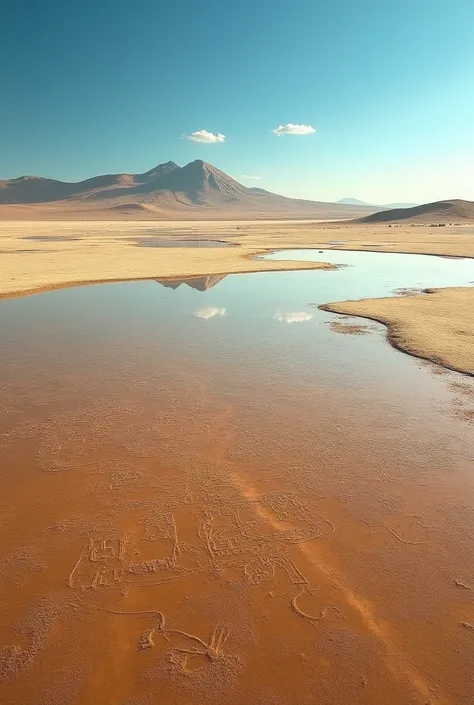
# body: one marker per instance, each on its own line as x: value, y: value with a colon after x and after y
x: 209, y: 495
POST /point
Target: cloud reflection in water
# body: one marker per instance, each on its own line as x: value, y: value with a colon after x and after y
x: 294, y: 317
x: 210, y: 312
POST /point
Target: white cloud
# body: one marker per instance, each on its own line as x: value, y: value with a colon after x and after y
x: 247, y: 177
x: 210, y: 312
x: 291, y: 129
x: 206, y: 137
x: 295, y: 317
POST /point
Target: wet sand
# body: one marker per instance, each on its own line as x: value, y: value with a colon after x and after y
x: 175, y: 530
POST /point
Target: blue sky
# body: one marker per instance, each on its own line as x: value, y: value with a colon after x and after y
x: 113, y: 86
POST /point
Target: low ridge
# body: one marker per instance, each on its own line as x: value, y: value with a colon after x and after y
x: 451, y: 211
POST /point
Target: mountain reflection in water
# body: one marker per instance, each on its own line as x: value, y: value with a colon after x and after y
x: 198, y: 283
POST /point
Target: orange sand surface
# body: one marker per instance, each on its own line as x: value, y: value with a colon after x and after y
x: 191, y: 533
x: 191, y: 536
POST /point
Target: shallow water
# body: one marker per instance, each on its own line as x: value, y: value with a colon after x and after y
x: 376, y: 274
x: 209, y: 494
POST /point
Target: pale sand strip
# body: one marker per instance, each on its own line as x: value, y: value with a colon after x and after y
x: 107, y: 252
x: 117, y: 265
x: 437, y: 326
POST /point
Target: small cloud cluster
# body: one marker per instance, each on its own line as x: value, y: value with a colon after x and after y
x: 295, y: 317
x: 206, y: 137
x: 292, y: 129
x: 210, y: 312
x: 247, y: 177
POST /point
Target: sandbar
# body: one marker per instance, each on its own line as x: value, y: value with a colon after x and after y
x: 437, y: 325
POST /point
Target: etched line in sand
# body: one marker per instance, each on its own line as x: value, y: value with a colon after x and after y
x: 192, y: 644
x: 104, y: 563
x: 401, y: 539
x: 311, y: 617
x: 460, y: 584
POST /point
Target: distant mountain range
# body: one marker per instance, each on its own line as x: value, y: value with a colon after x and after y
x: 439, y: 212
x: 356, y: 202
x: 197, y: 190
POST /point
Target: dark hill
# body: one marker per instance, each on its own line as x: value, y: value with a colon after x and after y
x: 452, y: 211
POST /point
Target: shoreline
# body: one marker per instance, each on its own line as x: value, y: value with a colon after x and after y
x: 284, y: 266
x: 287, y: 267
x: 103, y: 252
x: 406, y: 334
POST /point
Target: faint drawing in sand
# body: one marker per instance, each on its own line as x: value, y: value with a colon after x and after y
x: 181, y: 645
x: 101, y: 564
x: 186, y: 647
x: 245, y: 542
x: 105, y: 564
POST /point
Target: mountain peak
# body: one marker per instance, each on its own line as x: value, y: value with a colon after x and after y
x: 160, y: 170
x: 198, y: 178
x: 199, y: 165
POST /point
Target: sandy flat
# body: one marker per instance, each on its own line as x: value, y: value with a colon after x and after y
x: 106, y: 251
x: 438, y: 326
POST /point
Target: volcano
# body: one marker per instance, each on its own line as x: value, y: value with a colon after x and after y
x: 196, y: 190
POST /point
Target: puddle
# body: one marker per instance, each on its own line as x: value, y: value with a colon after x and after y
x: 205, y: 488
x: 157, y: 242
